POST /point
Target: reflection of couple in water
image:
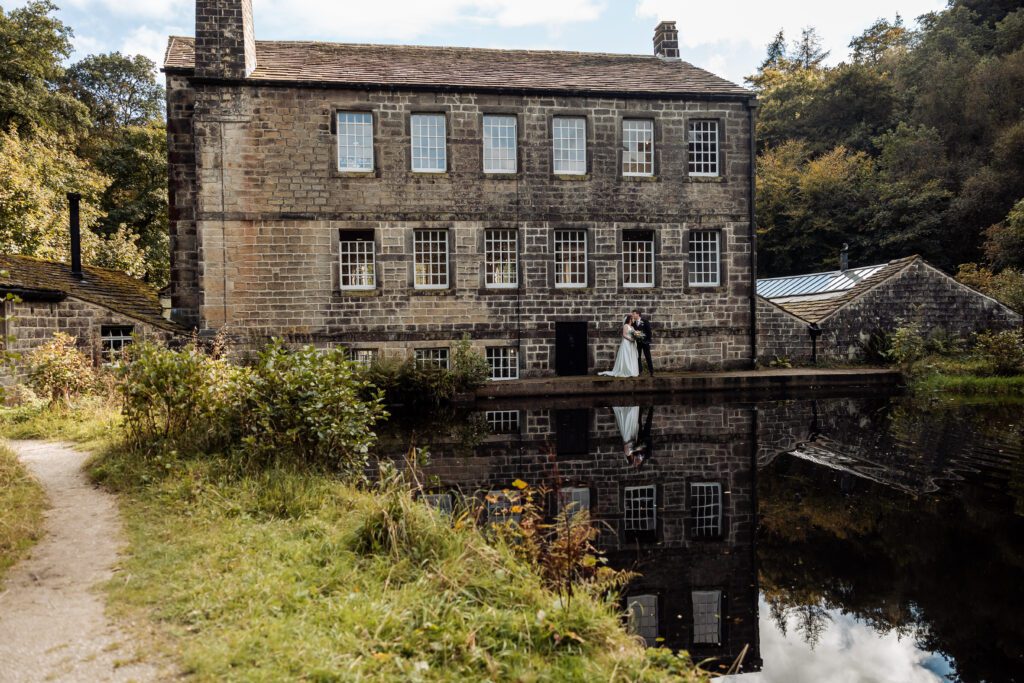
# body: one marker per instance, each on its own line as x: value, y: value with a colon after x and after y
x: 636, y: 439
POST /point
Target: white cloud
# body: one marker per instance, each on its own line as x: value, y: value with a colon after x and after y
x: 849, y: 651
x: 755, y: 22
x: 146, y: 41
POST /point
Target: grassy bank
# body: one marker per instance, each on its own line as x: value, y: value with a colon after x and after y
x: 21, y: 510
x: 285, y: 575
x: 962, y: 376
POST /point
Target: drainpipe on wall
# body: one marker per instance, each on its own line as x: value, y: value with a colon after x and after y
x: 815, y: 331
x: 752, y: 229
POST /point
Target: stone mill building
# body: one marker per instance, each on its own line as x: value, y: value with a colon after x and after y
x: 392, y: 199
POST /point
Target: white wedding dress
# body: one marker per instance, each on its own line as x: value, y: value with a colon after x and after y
x: 627, y: 362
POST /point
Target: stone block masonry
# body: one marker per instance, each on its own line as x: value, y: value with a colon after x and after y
x: 257, y: 205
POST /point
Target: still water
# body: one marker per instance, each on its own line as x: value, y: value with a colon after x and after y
x: 816, y: 539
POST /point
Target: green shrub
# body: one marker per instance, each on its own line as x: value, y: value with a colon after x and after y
x: 907, y: 344
x: 1007, y: 285
x: 1002, y: 352
x: 307, y: 407
x: 470, y: 369
x: 404, y: 382
x: 59, y: 370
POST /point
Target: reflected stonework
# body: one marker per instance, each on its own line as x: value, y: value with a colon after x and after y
x: 903, y: 519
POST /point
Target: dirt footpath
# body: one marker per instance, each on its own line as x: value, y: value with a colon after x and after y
x: 52, y: 621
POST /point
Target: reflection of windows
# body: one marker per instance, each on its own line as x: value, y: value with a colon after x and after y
x: 113, y: 339
x: 499, y: 144
x: 569, y: 135
x: 503, y: 506
x: 704, y: 258
x: 707, y: 617
x: 355, y: 259
x: 428, y: 143
x: 703, y: 150
x: 355, y: 141
x: 638, y: 503
x: 364, y: 357
x: 637, y: 147
x: 570, y: 258
x: 504, y: 362
x: 436, y: 358
x: 643, y: 616
x: 501, y: 258
x: 637, y: 259
x: 706, y: 504
x: 430, y: 259
x: 442, y: 502
x: 503, y: 421
x: 573, y: 499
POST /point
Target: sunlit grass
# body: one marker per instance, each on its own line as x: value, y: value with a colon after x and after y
x: 965, y: 376
x: 21, y: 510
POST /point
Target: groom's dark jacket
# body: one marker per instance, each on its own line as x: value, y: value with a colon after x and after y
x: 643, y: 326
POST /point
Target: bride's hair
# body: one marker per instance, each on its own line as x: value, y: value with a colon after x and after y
x: 626, y: 320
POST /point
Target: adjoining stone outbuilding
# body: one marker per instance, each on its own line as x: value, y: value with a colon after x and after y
x: 392, y: 199
x: 840, y: 315
x: 102, y: 308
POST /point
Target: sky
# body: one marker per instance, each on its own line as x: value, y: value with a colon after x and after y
x: 725, y: 37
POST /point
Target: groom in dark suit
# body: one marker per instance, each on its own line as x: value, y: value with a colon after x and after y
x: 642, y: 324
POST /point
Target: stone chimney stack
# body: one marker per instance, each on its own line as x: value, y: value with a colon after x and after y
x: 666, y: 40
x: 225, y: 42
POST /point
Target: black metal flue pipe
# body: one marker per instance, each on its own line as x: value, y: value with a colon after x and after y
x: 76, y: 235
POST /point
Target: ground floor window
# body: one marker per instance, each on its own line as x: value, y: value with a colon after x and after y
x: 504, y: 362
x: 639, y: 507
x: 573, y: 499
x: 363, y: 357
x: 442, y: 502
x: 642, y: 611
x: 503, y: 421
x: 113, y: 340
x: 707, y: 617
x: 437, y: 358
x: 503, y: 506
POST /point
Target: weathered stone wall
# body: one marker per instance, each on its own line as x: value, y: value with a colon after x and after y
x: 780, y: 335
x: 259, y: 253
x: 919, y: 294
x: 33, y: 323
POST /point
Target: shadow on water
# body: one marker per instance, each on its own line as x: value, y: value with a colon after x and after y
x: 870, y: 535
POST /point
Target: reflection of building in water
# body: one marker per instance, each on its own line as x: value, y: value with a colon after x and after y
x: 672, y: 489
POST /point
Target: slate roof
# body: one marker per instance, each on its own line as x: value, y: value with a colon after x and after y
x: 815, y: 296
x: 460, y: 68
x: 108, y: 288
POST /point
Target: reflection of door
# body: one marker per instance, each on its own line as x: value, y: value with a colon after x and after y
x: 571, y: 348
x: 572, y: 432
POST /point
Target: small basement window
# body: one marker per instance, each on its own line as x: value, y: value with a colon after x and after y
x: 504, y: 362
x: 642, y: 611
x: 113, y: 340
x: 502, y: 421
x: 432, y: 358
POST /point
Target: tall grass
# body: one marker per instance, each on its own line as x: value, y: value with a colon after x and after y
x: 21, y: 510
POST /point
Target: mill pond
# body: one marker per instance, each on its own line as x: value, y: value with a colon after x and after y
x: 825, y: 538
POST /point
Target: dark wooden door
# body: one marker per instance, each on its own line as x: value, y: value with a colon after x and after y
x: 571, y: 348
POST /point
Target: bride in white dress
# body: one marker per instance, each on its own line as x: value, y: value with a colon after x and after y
x: 627, y: 361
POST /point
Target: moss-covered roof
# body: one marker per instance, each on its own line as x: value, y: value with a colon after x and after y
x: 101, y: 286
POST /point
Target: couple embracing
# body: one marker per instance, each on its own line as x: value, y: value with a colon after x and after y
x: 636, y: 340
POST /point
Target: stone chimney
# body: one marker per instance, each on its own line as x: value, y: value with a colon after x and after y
x: 225, y: 43
x: 666, y: 40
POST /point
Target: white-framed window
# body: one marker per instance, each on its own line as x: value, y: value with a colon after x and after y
x: 355, y: 141
x: 432, y: 358
x: 430, y: 259
x: 707, y: 617
x: 637, y: 147
x: 363, y: 357
x: 502, y: 421
x: 703, y: 148
x: 503, y: 506
x: 504, y: 362
x: 572, y: 499
x: 501, y: 258
x: 356, y: 262
x: 442, y: 502
x: 637, y: 258
x: 706, y: 504
x: 113, y: 340
x: 429, y: 154
x: 642, y: 611
x: 569, y: 145
x: 570, y: 258
x: 638, y: 504
x: 499, y: 143
x: 705, y: 258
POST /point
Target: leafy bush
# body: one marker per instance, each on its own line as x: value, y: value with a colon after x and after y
x: 907, y: 344
x: 1002, y: 352
x: 59, y: 370
x: 404, y: 382
x: 307, y: 407
x: 1007, y: 285
x: 469, y: 368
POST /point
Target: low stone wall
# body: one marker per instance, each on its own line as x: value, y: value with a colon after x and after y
x: 780, y: 335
